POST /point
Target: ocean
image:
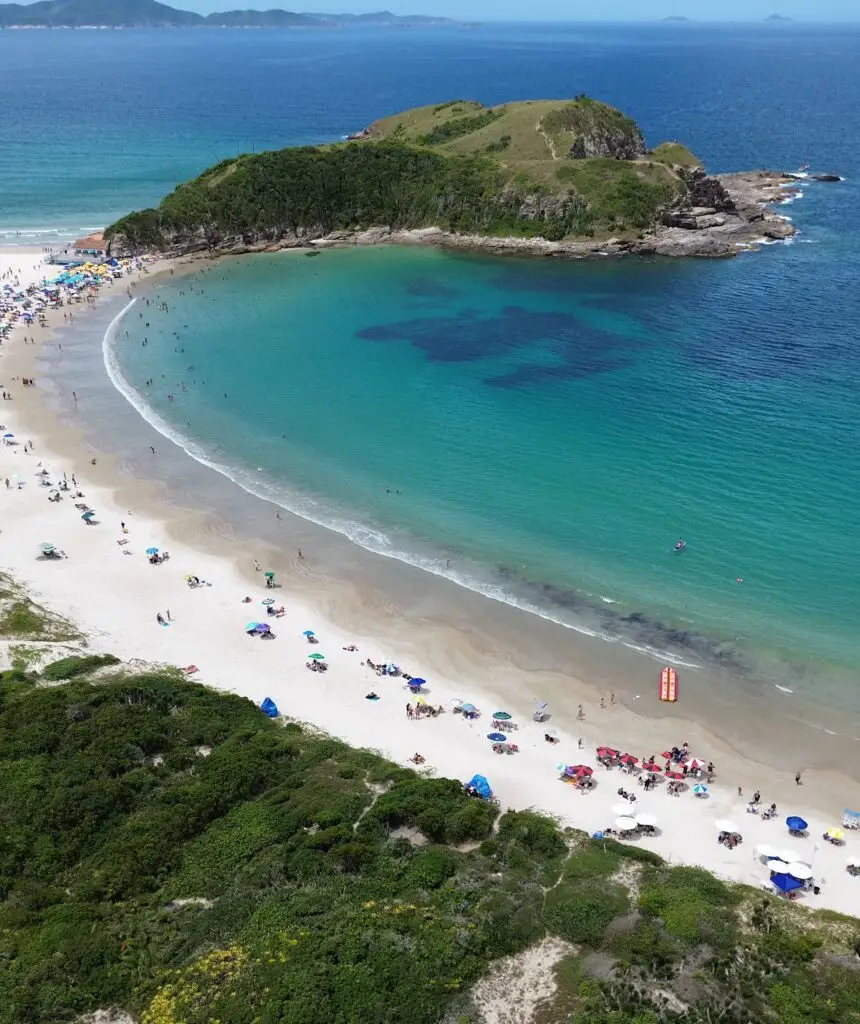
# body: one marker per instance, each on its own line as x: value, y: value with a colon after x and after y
x: 540, y: 432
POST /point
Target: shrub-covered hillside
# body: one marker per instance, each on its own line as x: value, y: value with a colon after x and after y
x: 168, y: 850
x: 556, y: 169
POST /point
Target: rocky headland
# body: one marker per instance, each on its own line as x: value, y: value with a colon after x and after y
x: 550, y: 178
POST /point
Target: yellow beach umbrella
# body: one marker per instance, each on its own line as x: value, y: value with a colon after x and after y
x: 835, y: 833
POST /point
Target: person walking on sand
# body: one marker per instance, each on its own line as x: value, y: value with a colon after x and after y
x: 797, y: 779
x: 580, y: 714
x: 159, y: 618
x: 256, y: 565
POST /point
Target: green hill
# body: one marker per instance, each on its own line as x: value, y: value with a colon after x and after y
x: 552, y: 168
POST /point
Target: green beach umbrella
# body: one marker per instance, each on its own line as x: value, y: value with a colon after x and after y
x: 502, y: 716
x: 47, y: 549
x: 318, y: 657
x: 269, y: 575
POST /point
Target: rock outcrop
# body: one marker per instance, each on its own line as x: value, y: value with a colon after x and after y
x: 608, y: 142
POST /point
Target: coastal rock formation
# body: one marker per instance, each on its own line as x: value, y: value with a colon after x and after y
x: 546, y: 177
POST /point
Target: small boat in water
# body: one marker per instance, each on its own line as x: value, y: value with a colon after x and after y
x: 669, y: 684
x: 680, y: 545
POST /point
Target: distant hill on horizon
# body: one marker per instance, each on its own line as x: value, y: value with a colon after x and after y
x: 152, y: 14
x: 676, y: 17
x: 777, y: 17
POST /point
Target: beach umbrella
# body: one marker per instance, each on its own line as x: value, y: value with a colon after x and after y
x: 647, y: 819
x: 562, y: 767
x: 417, y: 682
x: 675, y: 776
x: 263, y: 627
x: 726, y: 825
x: 251, y: 627
x: 87, y: 516
x: 835, y: 833
x: 625, y: 824
x: 152, y: 551
x: 316, y: 656
x: 796, y: 823
x: 47, y: 549
x: 8, y: 435
x: 652, y: 766
x: 502, y: 716
x: 853, y: 862
x: 785, y: 883
x: 699, y: 789
x: 603, y: 752
x: 628, y: 759
x: 307, y: 632
x: 777, y: 865
x: 622, y: 810
x: 784, y: 855
x: 798, y: 870
x: 496, y: 737
x: 269, y: 575
x: 696, y: 762
x: 582, y: 770
x: 469, y: 708
x: 765, y: 851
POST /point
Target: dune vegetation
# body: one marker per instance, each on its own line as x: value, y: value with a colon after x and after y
x: 169, y: 850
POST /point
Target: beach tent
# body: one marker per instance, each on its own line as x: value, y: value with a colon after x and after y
x: 268, y: 707
x: 481, y: 786
x: 785, y: 883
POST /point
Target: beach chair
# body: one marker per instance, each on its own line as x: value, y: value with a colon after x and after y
x: 767, y: 886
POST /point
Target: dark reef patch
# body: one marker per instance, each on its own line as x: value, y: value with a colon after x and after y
x: 577, y: 349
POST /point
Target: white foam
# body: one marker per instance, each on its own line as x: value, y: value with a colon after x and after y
x: 783, y: 689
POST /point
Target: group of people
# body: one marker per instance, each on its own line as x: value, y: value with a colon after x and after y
x: 423, y: 711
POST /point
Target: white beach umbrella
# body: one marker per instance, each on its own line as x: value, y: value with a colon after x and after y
x: 798, y: 870
x: 766, y: 851
x: 786, y: 855
x: 646, y: 819
x: 625, y: 824
x: 853, y: 862
x: 726, y: 825
x: 777, y: 865
x: 622, y: 810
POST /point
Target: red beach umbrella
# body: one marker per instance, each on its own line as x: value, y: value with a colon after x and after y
x: 675, y: 776
x: 668, y: 755
x: 696, y: 762
x: 606, y: 752
x: 652, y: 766
x: 581, y: 771
x: 628, y: 759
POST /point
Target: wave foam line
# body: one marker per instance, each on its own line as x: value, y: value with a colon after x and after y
x: 363, y: 536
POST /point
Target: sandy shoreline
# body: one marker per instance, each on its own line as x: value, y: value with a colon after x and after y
x: 115, y: 597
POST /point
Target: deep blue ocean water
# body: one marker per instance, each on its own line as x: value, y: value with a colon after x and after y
x: 551, y: 429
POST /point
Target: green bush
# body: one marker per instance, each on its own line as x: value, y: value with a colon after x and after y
x: 76, y: 665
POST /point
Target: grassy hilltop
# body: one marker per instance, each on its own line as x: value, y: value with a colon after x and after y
x: 550, y: 168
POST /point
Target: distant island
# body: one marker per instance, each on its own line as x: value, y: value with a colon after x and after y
x: 151, y: 14
x: 544, y: 176
x: 777, y: 17
x: 676, y: 17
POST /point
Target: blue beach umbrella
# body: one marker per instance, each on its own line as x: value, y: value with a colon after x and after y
x: 700, y: 789
x: 469, y: 708
x: 496, y: 737
x: 87, y: 516
x: 251, y: 627
x: 152, y: 551
x: 786, y: 883
x: 415, y: 681
x: 8, y: 435
x: 263, y: 627
x: 308, y: 632
x: 502, y: 716
x: 796, y: 823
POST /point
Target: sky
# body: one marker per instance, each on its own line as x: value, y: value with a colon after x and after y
x: 562, y: 10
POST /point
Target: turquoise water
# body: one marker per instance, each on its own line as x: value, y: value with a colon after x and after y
x: 552, y: 430
x: 546, y: 430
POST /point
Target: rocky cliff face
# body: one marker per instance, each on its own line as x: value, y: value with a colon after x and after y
x: 608, y: 142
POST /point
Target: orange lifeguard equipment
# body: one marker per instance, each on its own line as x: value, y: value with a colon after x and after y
x: 668, y: 684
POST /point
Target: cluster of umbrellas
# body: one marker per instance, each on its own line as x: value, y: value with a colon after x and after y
x: 627, y: 822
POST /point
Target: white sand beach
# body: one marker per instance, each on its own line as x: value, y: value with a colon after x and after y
x: 24, y: 265
x: 114, y: 594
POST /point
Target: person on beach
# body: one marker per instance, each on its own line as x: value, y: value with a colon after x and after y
x: 797, y: 779
x: 159, y: 618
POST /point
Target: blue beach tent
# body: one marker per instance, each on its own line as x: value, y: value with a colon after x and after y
x: 786, y: 883
x: 481, y: 786
x: 268, y: 707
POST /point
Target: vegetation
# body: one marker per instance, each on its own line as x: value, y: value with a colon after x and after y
x: 674, y: 154
x: 170, y: 850
x: 508, y: 170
